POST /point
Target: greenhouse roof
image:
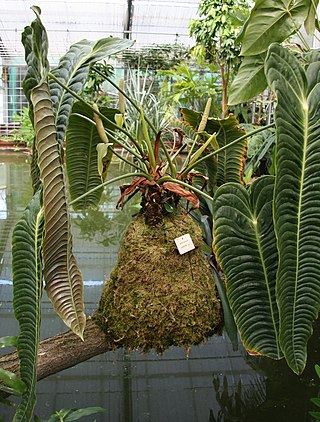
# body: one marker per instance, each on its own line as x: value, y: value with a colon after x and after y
x: 148, y: 22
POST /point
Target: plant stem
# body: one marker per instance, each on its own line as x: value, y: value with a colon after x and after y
x: 147, y: 140
x: 304, y: 41
x: 229, y: 323
x: 175, y: 155
x: 130, y: 163
x: 135, y: 105
x: 169, y: 159
x: 96, y: 112
x: 218, y: 151
x: 116, y: 140
x: 109, y: 182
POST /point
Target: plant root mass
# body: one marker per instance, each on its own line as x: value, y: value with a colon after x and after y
x: 156, y: 298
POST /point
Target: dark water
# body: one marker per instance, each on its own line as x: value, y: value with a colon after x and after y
x: 215, y: 384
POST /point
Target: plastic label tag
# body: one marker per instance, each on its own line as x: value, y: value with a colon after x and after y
x: 184, y: 244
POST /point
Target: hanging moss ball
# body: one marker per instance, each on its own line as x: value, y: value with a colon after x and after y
x: 157, y: 298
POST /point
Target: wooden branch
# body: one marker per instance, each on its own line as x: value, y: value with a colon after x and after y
x: 63, y: 351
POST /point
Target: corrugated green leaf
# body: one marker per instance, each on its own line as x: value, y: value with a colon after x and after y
x: 272, y: 21
x: 231, y: 160
x: 82, y: 155
x: 250, y: 80
x: 63, y: 279
x: 207, y: 167
x: 191, y: 116
x: 35, y: 41
x: 73, y: 70
x: 27, y: 291
x: 311, y: 56
x: 245, y: 246
x: 296, y: 202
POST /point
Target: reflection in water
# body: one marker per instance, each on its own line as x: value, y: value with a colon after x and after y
x: 15, y: 193
x: 97, y: 232
x: 3, y: 192
x: 240, y: 402
x: 105, y: 225
x: 3, y: 203
x: 146, y: 388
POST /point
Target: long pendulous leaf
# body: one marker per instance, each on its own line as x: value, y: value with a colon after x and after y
x: 35, y: 42
x: 27, y: 292
x: 82, y: 155
x: 245, y: 246
x: 73, y: 70
x: 63, y: 279
x: 296, y: 201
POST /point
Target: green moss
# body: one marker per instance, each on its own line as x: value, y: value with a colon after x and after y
x: 156, y: 298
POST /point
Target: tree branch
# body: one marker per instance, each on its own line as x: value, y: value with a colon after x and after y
x: 63, y: 351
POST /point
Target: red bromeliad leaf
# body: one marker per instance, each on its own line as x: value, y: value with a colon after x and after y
x: 157, y: 146
x: 127, y: 189
x: 140, y: 182
x: 184, y: 193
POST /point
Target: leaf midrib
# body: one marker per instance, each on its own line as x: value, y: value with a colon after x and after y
x: 63, y: 91
x: 38, y: 280
x: 265, y: 272
x: 285, y: 12
x: 89, y: 158
x: 305, y: 144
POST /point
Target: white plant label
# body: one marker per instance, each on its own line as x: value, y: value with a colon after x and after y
x: 184, y: 244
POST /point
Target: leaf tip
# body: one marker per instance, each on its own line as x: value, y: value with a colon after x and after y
x: 36, y: 10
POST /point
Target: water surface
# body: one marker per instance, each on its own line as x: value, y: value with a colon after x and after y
x: 216, y: 383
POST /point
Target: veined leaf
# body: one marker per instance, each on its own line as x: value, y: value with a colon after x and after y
x: 27, y: 292
x: 82, y: 154
x: 245, y: 246
x: 12, y: 383
x: 272, y: 21
x: 207, y: 167
x: 186, y: 128
x: 296, y: 201
x: 315, y: 401
x: 77, y: 414
x: 191, y: 116
x: 250, y: 80
x: 310, y: 22
x: 35, y: 171
x: 311, y: 56
x: 35, y: 41
x: 230, y: 161
x: 313, y: 74
x: 9, y: 341
x: 63, y: 279
x: 73, y: 70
